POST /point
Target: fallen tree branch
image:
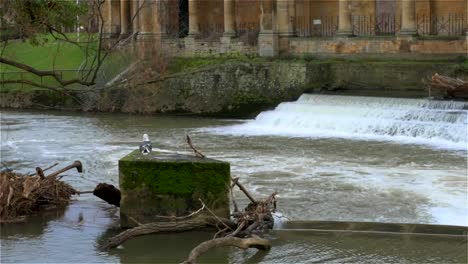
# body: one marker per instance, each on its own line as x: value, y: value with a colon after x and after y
x: 48, y: 168
x: 244, y: 243
x: 451, y: 87
x: 197, y: 153
x: 160, y: 227
x: 214, y: 215
x: 108, y: 193
x: 243, y: 189
x: 77, y: 164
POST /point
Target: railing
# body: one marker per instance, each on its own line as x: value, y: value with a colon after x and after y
x: 248, y: 32
x: 386, y: 24
x: 323, y: 26
x: 211, y: 31
x: 450, y: 25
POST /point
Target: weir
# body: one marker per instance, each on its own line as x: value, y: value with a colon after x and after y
x: 418, y: 121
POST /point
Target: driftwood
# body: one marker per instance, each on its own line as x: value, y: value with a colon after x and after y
x: 449, y: 87
x: 108, y: 193
x: 202, y: 222
x: 77, y: 164
x: 22, y: 195
x: 244, y: 243
x: 255, y: 218
x: 197, y: 153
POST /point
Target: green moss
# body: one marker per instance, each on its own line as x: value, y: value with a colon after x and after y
x: 159, y: 184
x: 187, y: 64
x: 179, y: 177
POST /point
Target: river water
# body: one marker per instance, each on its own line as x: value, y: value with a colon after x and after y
x: 328, y: 157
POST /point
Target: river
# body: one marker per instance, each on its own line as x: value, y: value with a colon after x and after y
x: 328, y: 157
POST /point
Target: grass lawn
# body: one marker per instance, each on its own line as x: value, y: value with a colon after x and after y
x: 54, y: 54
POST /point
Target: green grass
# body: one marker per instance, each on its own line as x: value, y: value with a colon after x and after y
x: 52, y: 55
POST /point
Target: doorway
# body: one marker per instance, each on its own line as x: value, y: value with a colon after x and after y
x: 183, y: 18
x: 385, y: 17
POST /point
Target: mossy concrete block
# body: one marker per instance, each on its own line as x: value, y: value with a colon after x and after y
x: 170, y: 185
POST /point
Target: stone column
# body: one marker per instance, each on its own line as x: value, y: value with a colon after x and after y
x: 229, y: 26
x: 292, y: 17
x: 158, y: 18
x: 146, y: 24
x: 115, y: 17
x: 193, y: 18
x: 106, y: 20
x: 283, y: 17
x: 344, y: 19
x: 408, y: 17
x: 135, y: 16
x: 268, y: 36
x: 229, y: 23
x: 125, y: 17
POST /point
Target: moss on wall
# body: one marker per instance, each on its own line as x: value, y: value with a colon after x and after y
x: 162, y: 184
x: 240, y: 86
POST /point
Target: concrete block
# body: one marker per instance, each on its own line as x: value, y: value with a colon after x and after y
x: 170, y: 185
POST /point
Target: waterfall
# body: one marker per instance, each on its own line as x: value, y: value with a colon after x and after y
x: 417, y: 121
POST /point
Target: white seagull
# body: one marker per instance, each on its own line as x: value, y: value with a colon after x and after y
x: 145, y: 147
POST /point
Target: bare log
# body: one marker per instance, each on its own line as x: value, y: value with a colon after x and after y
x: 450, y: 86
x: 48, y: 168
x: 244, y: 243
x: 77, y: 164
x: 197, y: 153
x: 243, y: 189
x: 160, y: 227
x: 108, y: 193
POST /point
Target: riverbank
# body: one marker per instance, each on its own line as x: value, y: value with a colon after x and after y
x: 242, y: 87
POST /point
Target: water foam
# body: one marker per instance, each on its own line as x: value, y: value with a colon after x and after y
x: 415, y: 121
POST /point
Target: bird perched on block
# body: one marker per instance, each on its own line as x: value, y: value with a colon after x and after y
x: 145, y: 147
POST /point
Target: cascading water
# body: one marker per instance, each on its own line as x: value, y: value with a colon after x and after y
x: 418, y: 121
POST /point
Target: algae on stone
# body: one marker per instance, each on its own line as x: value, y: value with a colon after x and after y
x: 170, y: 185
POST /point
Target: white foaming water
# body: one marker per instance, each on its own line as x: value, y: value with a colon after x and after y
x: 416, y: 121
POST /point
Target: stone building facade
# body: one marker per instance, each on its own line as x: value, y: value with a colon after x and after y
x: 294, y: 27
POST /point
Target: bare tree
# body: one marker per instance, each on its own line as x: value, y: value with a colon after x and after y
x: 31, y: 18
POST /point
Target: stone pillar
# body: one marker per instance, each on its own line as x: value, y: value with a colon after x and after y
x: 283, y: 17
x: 106, y: 20
x: 135, y: 16
x: 125, y: 17
x: 115, y: 17
x: 408, y: 18
x: 344, y: 19
x: 229, y: 23
x: 229, y: 26
x: 193, y: 18
x: 158, y: 18
x: 268, y: 36
x: 292, y: 17
x: 146, y: 17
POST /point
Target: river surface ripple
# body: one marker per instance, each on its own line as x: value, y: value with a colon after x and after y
x: 316, y: 178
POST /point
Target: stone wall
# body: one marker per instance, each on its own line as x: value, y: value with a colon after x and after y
x: 244, y: 88
x: 225, y: 45
x: 375, y: 45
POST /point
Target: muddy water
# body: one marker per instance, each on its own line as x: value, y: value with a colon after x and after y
x: 331, y: 177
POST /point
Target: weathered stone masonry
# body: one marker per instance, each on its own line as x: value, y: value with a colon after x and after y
x: 294, y: 27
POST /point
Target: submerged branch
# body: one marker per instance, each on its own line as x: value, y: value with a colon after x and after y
x: 244, y: 243
x: 160, y: 227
